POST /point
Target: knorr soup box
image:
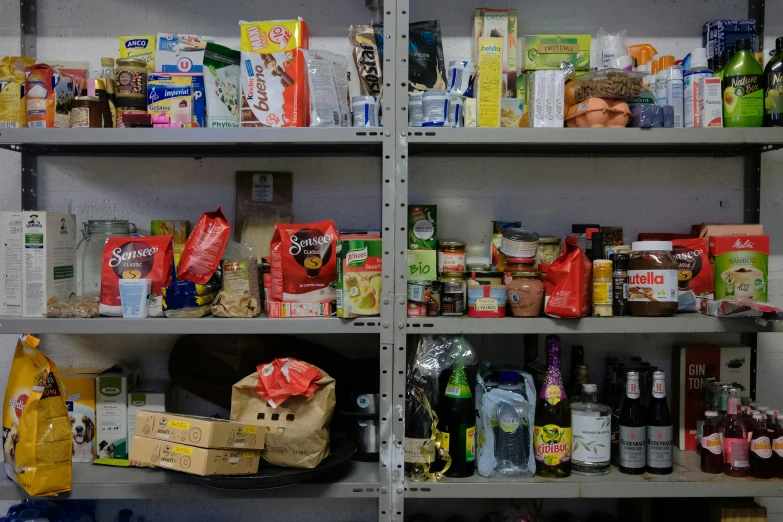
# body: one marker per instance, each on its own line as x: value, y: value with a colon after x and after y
x: 741, y: 265
x: 359, y: 276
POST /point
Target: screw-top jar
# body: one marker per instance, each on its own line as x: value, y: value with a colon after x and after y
x: 96, y: 232
x: 451, y: 256
x: 131, y: 83
x: 525, y: 294
x: 452, y: 300
x: 652, y: 280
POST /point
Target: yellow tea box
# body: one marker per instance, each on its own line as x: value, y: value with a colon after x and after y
x: 548, y: 51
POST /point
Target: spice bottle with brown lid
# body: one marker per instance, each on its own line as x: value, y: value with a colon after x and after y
x: 652, y: 280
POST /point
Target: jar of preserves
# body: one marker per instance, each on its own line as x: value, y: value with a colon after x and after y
x: 452, y: 300
x: 131, y: 83
x: 86, y: 112
x: 517, y: 264
x: 525, y: 294
x: 451, y: 256
x: 548, y: 249
x: 652, y: 280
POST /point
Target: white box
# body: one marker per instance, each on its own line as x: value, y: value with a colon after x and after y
x: 538, y: 91
x: 11, y: 264
x: 111, y: 410
x: 148, y: 397
x: 49, y: 276
x: 558, y: 79
x: 180, y: 53
x: 710, y: 96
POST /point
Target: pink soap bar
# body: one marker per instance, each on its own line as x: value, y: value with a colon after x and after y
x: 161, y: 118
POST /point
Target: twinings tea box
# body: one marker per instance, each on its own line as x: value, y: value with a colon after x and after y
x: 741, y: 265
x: 198, y: 461
x: 548, y: 51
x: 422, y: 227
x: 202, y: 432
x: 359, y: 276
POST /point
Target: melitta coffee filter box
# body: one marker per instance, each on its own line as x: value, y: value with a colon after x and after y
x: 190, y: 459
x: 200, y: 432
x: 359, y: 276
x: 49, y: 240
x: 741, y: 265
x: 735, y: 365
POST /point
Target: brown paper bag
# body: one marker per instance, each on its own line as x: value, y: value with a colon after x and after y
x: 235, y: 305
x: 297, y: 430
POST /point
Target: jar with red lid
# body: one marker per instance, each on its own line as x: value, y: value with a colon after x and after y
x: 652, y: 280
x: 517, y: 264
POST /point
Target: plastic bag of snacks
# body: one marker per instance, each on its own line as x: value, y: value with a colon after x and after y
x: 571, y: 274
x: 204, y: 247
x: 37, y: 440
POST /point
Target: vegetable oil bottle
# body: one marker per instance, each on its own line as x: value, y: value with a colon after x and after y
x: 743, y: 89
x: 773, y: 88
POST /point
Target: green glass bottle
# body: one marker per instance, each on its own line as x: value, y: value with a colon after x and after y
x: 773, y: 88
x: 458, y: 414
x: 743, y: 89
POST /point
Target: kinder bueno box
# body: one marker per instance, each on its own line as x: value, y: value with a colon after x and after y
x: 274, y: 74
x: 735, y: 365
x: 304, y: 262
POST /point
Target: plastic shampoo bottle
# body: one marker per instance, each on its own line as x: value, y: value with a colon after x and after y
x: 743, y: 89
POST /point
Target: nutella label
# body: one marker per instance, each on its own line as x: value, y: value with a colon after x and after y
x: 652, y: 285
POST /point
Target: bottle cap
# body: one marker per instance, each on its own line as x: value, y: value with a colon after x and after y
x: 742, y: 45
x: 675, y: 72
x: 698, y: 57
x: 509, y: 377
x: 666, y: 62
x: 757, y: 416
x: 654, y: 67
x: 710, y: 413
x: 589, y: 232
x: 640, y: 246
x: 107, y: 62
x: 589, y: 388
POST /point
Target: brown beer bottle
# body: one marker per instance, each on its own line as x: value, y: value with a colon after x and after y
x: 552, y: 437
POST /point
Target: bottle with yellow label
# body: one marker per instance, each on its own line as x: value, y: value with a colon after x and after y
x: 552, y: 437
x: 743, y: 89
x: 459, y: 415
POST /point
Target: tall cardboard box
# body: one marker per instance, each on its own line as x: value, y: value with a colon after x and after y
x: 111, y: 410
x: 49, y: 276
x: 151, y: 396
x: 694, y: 363
x: 79, y: 387
x: 11, y: 263
x: 499, y: 23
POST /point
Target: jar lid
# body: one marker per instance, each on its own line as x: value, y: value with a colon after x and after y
x: 521, y: 260
x: 589, y: 388
x: 477, y: 267
x: 644, y: 246
x: 549, y: 240
x: 482, y: 274
x: 132, y: 61
x: 452, y: 275
x: 450, y: 243
x: 107, y: 62
x: 525, y: 274
x: 710, y: 413
x: 87, y: 98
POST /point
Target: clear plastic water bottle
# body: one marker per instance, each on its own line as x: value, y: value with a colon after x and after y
x: 510, y: 431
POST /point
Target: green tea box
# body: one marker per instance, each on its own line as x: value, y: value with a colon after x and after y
x: 741, y: 265
x: 422, y: 227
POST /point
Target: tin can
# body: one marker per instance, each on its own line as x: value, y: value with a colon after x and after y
x: 497, y: 230
x: 427, y: 293
x: 519, y: 242
x: 417, y: 309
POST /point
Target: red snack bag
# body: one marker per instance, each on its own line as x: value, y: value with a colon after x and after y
x: 204, y: 247
x: 304, y: 262
x: 694, y: 270
x: 282, y: 378
x: 571, y: 274
x: 135, y: 258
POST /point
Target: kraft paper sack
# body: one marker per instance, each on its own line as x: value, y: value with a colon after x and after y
x: 298, y: 428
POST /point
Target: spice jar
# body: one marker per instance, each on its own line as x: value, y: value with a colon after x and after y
x: 602, y: 288
x: 652, y: 280
x: 451, y: 256
x: 525, y: 294
x: 548, y: 249
x: 131, y: 83
x: 452, y: 300
x: 86, y: 112
x: 517, y: 264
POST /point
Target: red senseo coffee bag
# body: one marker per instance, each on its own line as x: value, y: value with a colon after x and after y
x: 303, y: 262
x: 572, y: 275
x: 204, y: 248
x: 694, y: 271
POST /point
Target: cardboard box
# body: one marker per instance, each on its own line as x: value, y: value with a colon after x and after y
x: 11, y: 272
x: 201, y: 432
x: 148, y: 397
x: 503, y: 23
x: 720, y: 229
x: 690, y: 366
x: 422, y: 265
x: 197, y: 461
x: 180, y: 53
x: 359, y: 277
x: 548, y: 51
x: 423, y: 227
x: 709, y: 100
x: 470, y: 108
x: 741, y: 266
x: 139, y: 47
x: 49, y: 240
x: 80, y: 401
x: 490, y: 81
x: 111, y: 410
x: 286, y: 309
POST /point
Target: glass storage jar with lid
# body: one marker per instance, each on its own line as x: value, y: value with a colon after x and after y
x: 96, y: 232
x: 525, y: 294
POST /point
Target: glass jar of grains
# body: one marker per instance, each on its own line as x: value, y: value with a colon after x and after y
x: 452, y: 300
x: 131, y: 83
x: 525, y: 294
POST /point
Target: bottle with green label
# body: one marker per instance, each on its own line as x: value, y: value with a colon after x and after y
x: 773, y: 88
x: 743, y: 89
x: 458, y: 413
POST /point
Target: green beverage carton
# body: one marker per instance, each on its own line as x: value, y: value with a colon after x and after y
x: 422, y: 227
x: 741, y: 265
x: 548, y: 51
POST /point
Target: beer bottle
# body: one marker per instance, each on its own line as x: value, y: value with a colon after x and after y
x: 633, y: 431
x: 552, y: 433
x: 659, y: 429
x: 459, y: 416
x: 761, y: 464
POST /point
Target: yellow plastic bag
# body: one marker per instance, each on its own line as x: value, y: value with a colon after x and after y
x: 13, y: 107
x: 37, y: 442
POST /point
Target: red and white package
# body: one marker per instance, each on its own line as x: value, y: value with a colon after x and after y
x: 282, y: 378
x: 572, y: 275
x: 304, y: 262
x: 694, y: 270
x: 274, y: 89
x: 204, y: 247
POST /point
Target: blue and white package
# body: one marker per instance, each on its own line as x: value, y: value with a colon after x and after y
x: 199, y: 101
x: 435, y: 103
x: 365, y: 111
x: 455, y: 111
x: 461, y: 73
x: 180, y: 52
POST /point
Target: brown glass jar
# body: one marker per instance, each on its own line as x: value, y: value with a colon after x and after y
x: 86, y: 112
x: 652, y: 280
x: 525, y: 294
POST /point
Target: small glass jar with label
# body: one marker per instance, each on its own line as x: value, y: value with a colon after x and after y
x: 602, y: 288
x: 451, y: 256
x: 548, y: 250
x: 86, y: 112
x: 131, y: 83
x: 452, y: 300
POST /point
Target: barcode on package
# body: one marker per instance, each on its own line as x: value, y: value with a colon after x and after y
x: 8, y: 125
x: 36, y: 124
x: 339, y: 299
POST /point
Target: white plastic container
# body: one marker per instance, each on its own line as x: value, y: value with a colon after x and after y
x: 661, y: 93
x: 691, y: 79
x: 710, y: 98
x: 135, y: 298
x: 674, y: 93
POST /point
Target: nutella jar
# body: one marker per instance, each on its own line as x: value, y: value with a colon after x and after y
x: 652, y: 280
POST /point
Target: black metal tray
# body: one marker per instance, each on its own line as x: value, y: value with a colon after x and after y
x: 273, y: 477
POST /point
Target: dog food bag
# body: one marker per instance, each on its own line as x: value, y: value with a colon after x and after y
x: 221, y: 80
x: 304, y: 263
x: 147, y: 257
x: 273, y: 74
x: 13, y: 106
x: 204, y: 247
x: 37, y: 441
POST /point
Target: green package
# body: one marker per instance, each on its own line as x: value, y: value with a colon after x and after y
x: 741, y: 266
x: 422, y: 227
x: 548, y: 51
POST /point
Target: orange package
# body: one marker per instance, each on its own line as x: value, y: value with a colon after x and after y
x: 274, y: 74
x: 204, y: 248
x: 49, y: 95
x: 572, y: 275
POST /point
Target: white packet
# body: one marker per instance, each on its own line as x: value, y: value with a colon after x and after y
x: 460, y: 72
x: 415, y: 109
x: 221, y: 86
x: 340, y: 70
x: 365, y: 111
x: 324, y: 103
x: 436, y: 108
x: 455, y: 110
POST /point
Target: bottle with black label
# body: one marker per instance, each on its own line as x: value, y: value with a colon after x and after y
x: 633, y: 429
x: 773, y: 88
x: 659, y: 429
x: 743, y: 89
x: 620, y: 284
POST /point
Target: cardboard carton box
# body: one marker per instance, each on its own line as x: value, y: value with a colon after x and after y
x: 80, y: 400
x: 111, y: 410
x: 11, y: 264
x: 200, y: 432
x: 190, y: 459
x: 148, y: 397
x: 359, y: 276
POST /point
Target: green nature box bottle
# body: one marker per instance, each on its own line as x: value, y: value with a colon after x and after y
x: 743, y: 89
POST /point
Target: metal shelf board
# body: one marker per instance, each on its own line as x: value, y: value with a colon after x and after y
x: 683, y: 323
x: 206, y: 325
x: 193, y: 142
x: 357, y: 480
x: 687, y: 480
x: 593, y: 142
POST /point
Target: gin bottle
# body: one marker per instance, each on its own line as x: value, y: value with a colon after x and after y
x: 591, y: 428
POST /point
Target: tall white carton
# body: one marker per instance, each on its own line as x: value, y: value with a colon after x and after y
x: 11, y: 264
x: 558, y: 78
x: 148, y: 397
x: 710, y: 99
x: 111, y: 411
x: 49, y: 276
